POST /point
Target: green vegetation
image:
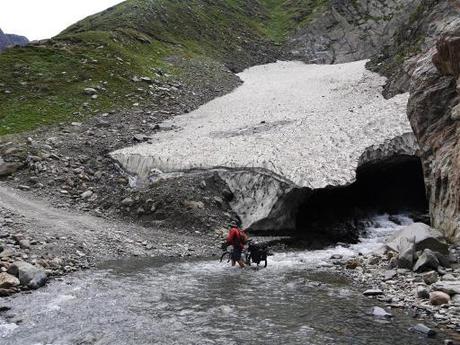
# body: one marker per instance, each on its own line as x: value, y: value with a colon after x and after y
x: 44, y: 83
x: 286, y: 16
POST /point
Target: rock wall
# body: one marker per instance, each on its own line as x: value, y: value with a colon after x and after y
x: 349, y: 30
x: 428, y: 20
x: 434, y: 112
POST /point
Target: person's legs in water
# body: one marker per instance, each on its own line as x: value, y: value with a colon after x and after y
x: 236, y: 257
x: 241, y: 263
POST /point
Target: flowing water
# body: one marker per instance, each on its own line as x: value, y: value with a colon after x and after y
x: 159, y: 301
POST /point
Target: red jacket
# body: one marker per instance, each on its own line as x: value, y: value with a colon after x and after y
x: 236, y: 237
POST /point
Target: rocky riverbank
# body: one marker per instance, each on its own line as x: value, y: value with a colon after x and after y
x: 57, y: 242
x: 421, y: 281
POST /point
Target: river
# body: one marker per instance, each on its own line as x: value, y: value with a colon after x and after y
x: 296, y: 300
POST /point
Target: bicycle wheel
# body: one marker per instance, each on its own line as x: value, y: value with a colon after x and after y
x: 224, y: 255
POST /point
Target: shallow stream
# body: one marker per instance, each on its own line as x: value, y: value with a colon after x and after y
x: 159, y: 301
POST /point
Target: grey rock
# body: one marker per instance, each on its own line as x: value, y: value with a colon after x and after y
x: 448, y: 277
x: 406, y: 255
x: 336, y: 257
x: 426, y: 261
x: 90, y: 91
x: 430, y: 277
x: 390, y: 274
x: 421, y: 328
x: 443, y: 259
x: 29, y: 275
x: 147, y: 80
x: 127, y: 202
x: 380, y: 312
x: 455, y: 299
x: 7, y: 169
x: 8, y: 281
x: 141, y: 137
x: 86, y: 195
x: 373, y: 292
x: 422, y: 292
x: 422, y: 235
x: 24, y: 244
x: 449, y: 287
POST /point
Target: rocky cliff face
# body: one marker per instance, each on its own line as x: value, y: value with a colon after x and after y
x: 428, y: 21
x: 434, y: 112
x: 3, y: 40
x: 7, y: 40
x: 346, y: 30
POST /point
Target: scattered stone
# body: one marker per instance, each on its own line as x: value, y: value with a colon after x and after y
x: 439, y: 298
x: 421, y: 328
x: 430, y: 277
x: 422, y: 292
x: 448, y: 278
x: 194, y: 204
x: 127, y: 202
x: 336, y: 257
x: 455, y: 299
x: 373, y: 292
x: 380, y: 313
x: 90, y: 91
x: 352, y: 264
x: 449, y: 287
x: 24, y: 244
x: 8, y: 281
x: 147, y: 80
x: 390, y: 274
x: 140, y: 137
x: 29, y: 275
x: 427, y: 260
x: 7, y: 169
x: 86, y: 195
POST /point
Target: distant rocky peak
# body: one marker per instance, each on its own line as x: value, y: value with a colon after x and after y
x: 8, y: 40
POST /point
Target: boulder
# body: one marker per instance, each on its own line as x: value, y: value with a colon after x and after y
x: 8, y: 281
x: 449, y: 287
x: 439, y: 298
x: 426, y: 261
x: 29, y: 275
x: 423, y: 237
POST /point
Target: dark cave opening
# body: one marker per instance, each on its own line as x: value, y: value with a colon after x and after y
x: 392, y: 186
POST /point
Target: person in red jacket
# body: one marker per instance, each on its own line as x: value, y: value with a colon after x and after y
x: 237, y: 238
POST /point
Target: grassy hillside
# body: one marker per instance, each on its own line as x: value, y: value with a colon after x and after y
x: 44, y: 83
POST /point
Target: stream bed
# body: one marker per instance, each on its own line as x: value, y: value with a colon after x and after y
x: 296, y: 300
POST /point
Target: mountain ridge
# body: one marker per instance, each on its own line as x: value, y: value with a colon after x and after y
x: 9, y: 40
